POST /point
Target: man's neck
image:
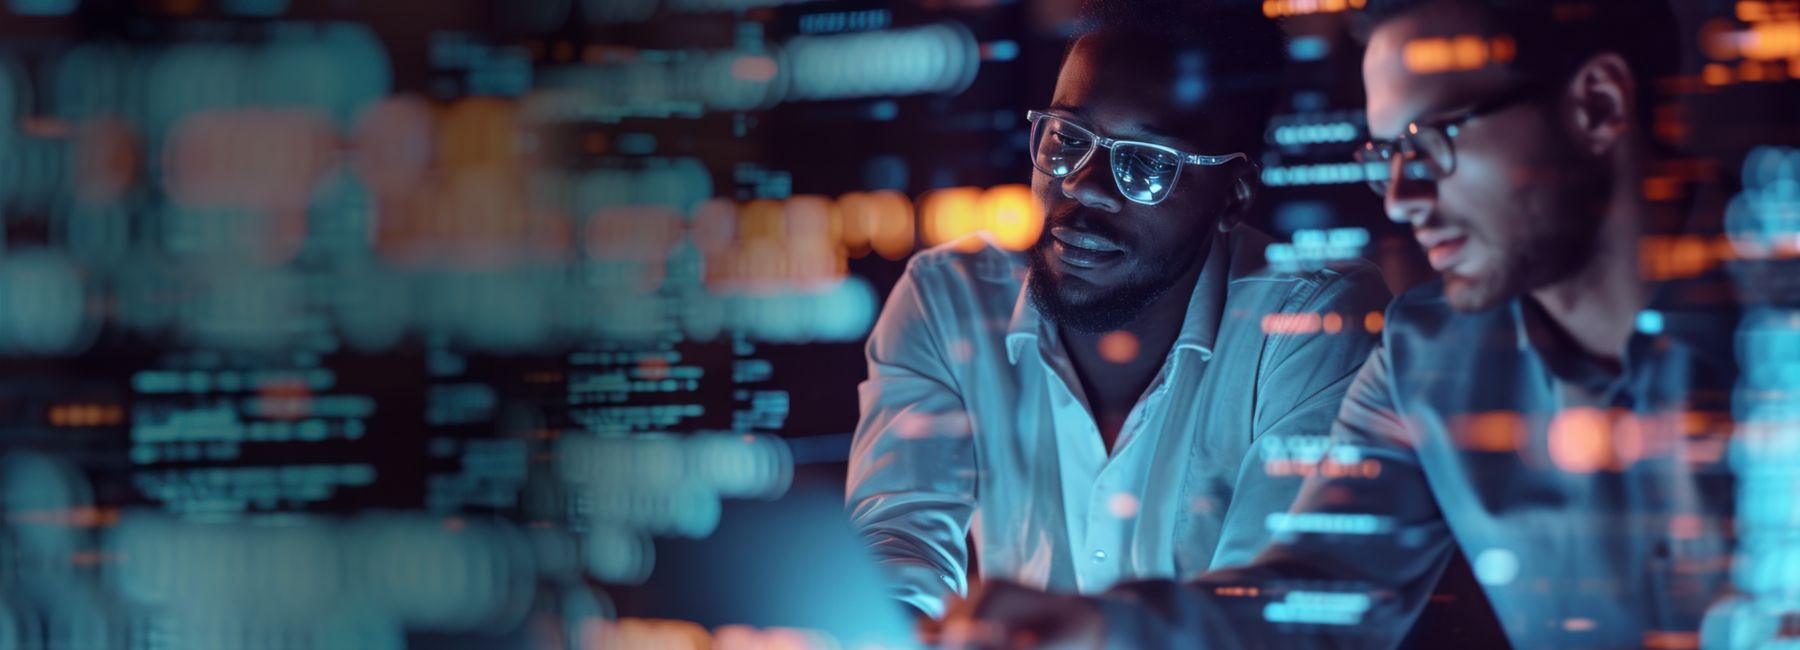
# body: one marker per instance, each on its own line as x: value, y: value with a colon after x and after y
x: 1154, y: 330
x: 1598, y: 306
x: 1113, y: 385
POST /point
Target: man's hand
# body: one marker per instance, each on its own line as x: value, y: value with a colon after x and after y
x: 1001, y: 614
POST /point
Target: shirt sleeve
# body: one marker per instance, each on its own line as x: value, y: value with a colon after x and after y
x: 911, y: 482
x: 1351, y: 565
x: 1298, y: 396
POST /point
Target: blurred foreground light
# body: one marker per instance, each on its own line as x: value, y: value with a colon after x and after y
x: 611, y: 12
x: 280, y: 569
x: 77, y: 614
x: 1764, y: 219
x: 661, y: 86
x: 1313, y: 249
x: 881, y: 221
x: 348, y: 627
x: 1308, y: 48
x: 679, y: 184
x: 949, y: 214
x: 840, y: 310
x: 939, y: 58
x: 480, y: 134
x: 729, y: 464
x: 363, y: 71
x: 1282, y: 8
x: 39, y: 172
x: 639, y: 238
x: 43, y: 305
x: 445, y: 575
x: 94, y: 79
x: 1008, y: 214
x: 254, y: 8
x: 844, y: 310
x: 107, y: 157
x: 1769, y: 569
x: 651, y: 462
x: 47, y: 504
x: 688, y: 510
x: 247, y: 309
x: 508, y: 311
x: 1013, y: 215
x: 15, y: 92
x: 733, y: 81
x: 1496, y: 567
x: 618, y: 555
x: 741, y: 466
x: 340, y: 220
x: 726, y: 5
x: 392, y: 144
x: 1765, y: 459
x: 371, y: 305
x: 582, y: 602
x: 260, y: 159
x: 43, y: 7
x: 191, y: 78
x: 1319, y: 608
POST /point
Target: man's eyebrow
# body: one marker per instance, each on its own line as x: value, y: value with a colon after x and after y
x: 1426, y: 116
x: 1145, y: 132
x: 1445, y: 107
x: 1162, y: 133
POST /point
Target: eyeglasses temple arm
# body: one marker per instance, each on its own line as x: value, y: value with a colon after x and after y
x: 1198, y: 159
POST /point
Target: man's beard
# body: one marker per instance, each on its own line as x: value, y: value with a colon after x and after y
x: 1564, y: 237
x: 1104, y: 309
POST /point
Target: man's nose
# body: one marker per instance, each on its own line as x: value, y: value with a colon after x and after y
x: 1092, y: 185
x: 1408, y: 200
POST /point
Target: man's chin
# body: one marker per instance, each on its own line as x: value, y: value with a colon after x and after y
x: 1083, y: 309
x: 1472, y: 294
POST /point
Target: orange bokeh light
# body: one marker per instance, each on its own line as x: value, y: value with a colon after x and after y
x: 1119, y: 347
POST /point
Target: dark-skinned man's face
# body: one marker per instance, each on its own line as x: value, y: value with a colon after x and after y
x: 1103, y: 258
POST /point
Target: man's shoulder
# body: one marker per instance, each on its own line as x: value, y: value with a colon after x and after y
x: 1424, y: 300
x: 1351, y: 280
x: 1424, y: 308
x: 973, y: 262
x: 1423, y: 328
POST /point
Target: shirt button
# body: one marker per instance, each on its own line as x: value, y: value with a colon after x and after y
x: 1099, y: 556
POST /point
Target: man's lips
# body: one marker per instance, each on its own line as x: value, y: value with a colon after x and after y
x: 1442, y: 248
x: 1084, y: 239
x: 1081, y: 249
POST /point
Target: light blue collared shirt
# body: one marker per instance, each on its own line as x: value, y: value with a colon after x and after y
x: 973, y: 421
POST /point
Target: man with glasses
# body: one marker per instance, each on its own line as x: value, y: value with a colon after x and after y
x: 1107, y: 405
x: 1515, y: 409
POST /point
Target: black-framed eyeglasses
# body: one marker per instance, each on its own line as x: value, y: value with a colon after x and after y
x: 1145, y: 172
x: 1426, y: 151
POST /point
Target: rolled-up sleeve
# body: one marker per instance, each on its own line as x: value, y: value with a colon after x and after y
x: 911, y: 484
x: 1350, y: 566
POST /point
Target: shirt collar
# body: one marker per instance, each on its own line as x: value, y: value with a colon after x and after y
x: 1523, y: 337
x: 1706, y: 333
x: 1560, y: 356
x: 1199, y: 327
x: 1023, y: 329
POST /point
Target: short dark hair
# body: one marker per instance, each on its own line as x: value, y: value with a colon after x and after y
x: 1553, y: 38
x: 1244, y: 55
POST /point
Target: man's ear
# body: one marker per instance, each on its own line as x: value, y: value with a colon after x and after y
x: 1601, y: 100
x: 1239, y: 196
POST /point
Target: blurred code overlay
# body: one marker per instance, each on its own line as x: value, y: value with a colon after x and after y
x: 395, y: 323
